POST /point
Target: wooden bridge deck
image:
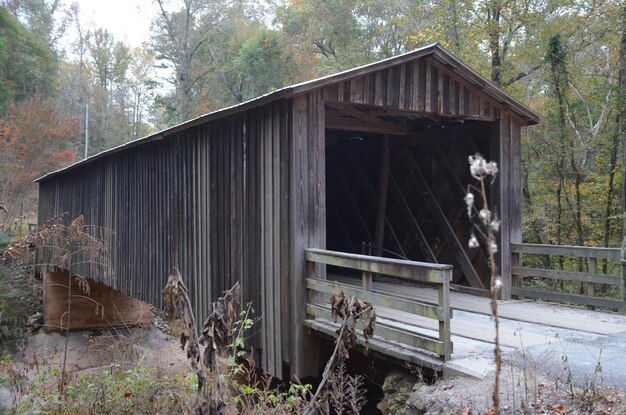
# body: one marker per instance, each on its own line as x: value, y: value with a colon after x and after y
x: 523, y: 324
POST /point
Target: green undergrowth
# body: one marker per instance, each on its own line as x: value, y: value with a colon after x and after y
x: 19, y: 298
x: 139, y: 390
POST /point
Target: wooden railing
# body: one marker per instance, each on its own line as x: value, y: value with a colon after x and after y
x: 587, y: 274
x: 435, y: 274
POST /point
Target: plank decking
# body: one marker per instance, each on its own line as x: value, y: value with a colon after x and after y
x: 524, y: 324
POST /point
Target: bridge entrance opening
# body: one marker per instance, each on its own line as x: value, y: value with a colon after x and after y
x: 395, y: 187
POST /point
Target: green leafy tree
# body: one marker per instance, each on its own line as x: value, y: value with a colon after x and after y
x: 177, y: 38
x: 27, y: 65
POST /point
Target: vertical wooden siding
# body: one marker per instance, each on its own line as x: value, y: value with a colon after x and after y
x: 423, y: 85
x: 207, y: 200
x: 308, y: 215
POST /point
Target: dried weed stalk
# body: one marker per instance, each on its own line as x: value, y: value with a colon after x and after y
x: 216, y: 335
x: 217, y: 330
x: 350, y: 310
x: 77, y: 249
x: 177, y: 303
x: 347, y: 393
x: 487, y: 226
x: 57, y: 246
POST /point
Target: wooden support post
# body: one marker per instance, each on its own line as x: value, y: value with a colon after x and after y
x: 517, y: 280
x: 367, y: 280
x: 591, y: 290
x: 383, y: 185
x: 443, y: 293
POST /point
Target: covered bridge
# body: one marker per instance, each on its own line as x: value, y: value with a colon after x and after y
x: 373, y: 159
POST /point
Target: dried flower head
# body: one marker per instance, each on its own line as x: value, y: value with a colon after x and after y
x: 493, y: 247
x: 485, y: 216
x: 473, y: 241
x: 480, y: 168
x: 469, y: 201
x: 494, y: 225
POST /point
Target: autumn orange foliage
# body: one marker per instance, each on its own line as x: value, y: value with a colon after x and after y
x: 36, y: 138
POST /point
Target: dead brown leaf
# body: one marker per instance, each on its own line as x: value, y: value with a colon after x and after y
x: 558, y: 409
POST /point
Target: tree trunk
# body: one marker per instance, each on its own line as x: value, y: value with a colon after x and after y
x: 495, y: 9
x: 622, y: 104
x: 610, y: 192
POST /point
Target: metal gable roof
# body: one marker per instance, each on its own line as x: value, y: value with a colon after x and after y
x: 438, y: 52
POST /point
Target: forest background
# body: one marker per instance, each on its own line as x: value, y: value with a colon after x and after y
x: 563, y: 58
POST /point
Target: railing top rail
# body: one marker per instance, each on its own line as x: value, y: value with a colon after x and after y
x: 413, y: 270
x: 567, y: 250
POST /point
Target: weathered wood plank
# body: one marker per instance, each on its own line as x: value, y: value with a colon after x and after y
x: 285, y: 257
x: 356, y: 90
x: 420, y: 85
x: 378, y: 298
x: 589, y: 277
x: 378, y: 95
x: 275, y: 229
x: 379, y: 345
x: 298, y: 209
x: 402, y: 86
x: 443, y: 298
x: 567, y: 251
x: 387, y: 332
x: 412, y: 270
x: 408, y: 87
x: 515, y: 180
x: 428, y: 86
x: 569, y: 298
x: 501, y: 142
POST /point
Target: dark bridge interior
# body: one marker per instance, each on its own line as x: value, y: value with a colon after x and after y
x: 402, y: 192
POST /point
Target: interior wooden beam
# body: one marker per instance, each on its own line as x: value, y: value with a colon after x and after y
x: 365, y: 116
x: 435, y: 135
x: 377, y: 111
x: 420, y: 238
x: 339, y: 121
x: 361, y: 171
x: 383, y: 185
x: 442, y: 222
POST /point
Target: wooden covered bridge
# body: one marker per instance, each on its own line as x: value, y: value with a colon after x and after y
x: 356, y: 175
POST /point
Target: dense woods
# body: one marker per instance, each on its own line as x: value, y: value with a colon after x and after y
x: 64, y: 82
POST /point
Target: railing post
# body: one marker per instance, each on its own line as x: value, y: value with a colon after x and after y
x: 367, y: 280
x: 591, y: 289
x: 443, y: 291
x: 517, y: 280
x: 624, y: 269
x: 311, y: 272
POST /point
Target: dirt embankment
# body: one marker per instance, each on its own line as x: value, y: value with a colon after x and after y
x: 526, y: 388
